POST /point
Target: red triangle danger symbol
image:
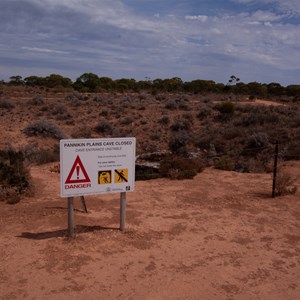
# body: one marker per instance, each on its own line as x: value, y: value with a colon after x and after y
x: 78, y: 173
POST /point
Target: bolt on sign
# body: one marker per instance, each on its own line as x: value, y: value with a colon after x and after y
x: 96, y: 166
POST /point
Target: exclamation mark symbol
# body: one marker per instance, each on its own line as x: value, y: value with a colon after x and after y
x: 77, y: 171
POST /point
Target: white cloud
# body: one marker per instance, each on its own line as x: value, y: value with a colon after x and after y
x: 287, y: 6
x: 265, y: 16
x: 107, y: 36
x: 113, y: 13
x: 44, y: 50
x: 201, y: 18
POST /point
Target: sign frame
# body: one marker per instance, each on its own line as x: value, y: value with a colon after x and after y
x: 82, y: 161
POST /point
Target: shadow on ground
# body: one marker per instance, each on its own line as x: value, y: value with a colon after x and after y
x: 62, y: 232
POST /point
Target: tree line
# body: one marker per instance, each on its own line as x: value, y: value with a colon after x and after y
x: 90, y: 82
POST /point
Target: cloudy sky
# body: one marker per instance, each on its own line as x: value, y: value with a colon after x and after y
x: 256, y: 40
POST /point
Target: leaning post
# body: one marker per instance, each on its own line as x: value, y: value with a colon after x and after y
x: 83, y: 204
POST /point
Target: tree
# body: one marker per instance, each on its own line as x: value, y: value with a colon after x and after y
x: 143, y: 85
x: 158, y: 84
x: 293, y: 90
x: 257, y: 89
x: 34, y: 81
x: 87, y: 82
x: 275, y: 88
x: 231, y: 84
x: 233, y: 80
x: 106, y: 83
x: 241, y: 88
x: 55, y: 80
x: 16, y: 80
x: 200, y: 86
x: 125, y: 84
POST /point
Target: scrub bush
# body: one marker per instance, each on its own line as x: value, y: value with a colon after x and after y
x: 36, y: 100
x: 178, y: 143
x: 285, y: 183
x: 227, y: 107
x: 6, y: 104
x: 180, y: 168
x: 44, y: 128
x: 14, y: 175
x: 181, y: 124
x: 34, y: 154
x: 165, y: 120
x: 104, y: 127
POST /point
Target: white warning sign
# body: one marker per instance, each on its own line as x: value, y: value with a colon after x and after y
x: 97, y: 166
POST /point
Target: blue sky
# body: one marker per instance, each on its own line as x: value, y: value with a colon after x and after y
x: 256, y: 40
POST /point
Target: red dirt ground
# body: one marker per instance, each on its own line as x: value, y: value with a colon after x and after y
x: 218, y: 236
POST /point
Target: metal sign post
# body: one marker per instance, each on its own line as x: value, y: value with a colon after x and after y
x: 70, y: 217
x: 122, y: 211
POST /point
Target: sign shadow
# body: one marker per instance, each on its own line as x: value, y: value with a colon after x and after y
x: 63, y: 232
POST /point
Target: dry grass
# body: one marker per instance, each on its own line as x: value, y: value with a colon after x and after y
x: 285, y: 183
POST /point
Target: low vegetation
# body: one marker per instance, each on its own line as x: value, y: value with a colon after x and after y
x: 14, y: 176
x: 180, y: 168
x: 197, y: 126
x: 285, y: 183
x: 44, y: 128
x: 90, y: 82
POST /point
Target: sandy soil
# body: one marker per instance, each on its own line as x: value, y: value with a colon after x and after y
x: 264, y: 102
x: 218, y: 236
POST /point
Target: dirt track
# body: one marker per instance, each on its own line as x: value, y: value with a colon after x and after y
x: 219, y: 236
